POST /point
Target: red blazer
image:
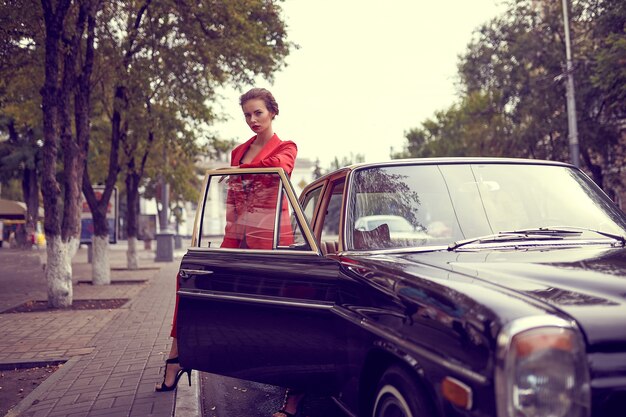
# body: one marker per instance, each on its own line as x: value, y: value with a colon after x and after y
x: 250, y: 207
x: 275, y: 153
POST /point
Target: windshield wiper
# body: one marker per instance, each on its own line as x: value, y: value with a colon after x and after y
x: 505, y: 237
x: 565, y: 231
x: 540, y: 233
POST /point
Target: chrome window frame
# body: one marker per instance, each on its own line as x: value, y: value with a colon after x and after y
x: 291, y: 196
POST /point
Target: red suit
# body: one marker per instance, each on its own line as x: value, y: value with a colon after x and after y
x: 251, y: 200
x: 275, y: 153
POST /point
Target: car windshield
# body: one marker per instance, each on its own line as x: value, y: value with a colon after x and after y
x: 445, y: 203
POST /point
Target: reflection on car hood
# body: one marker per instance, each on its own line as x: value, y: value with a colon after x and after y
x: 588, y: 284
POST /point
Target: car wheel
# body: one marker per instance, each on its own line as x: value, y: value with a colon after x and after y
x: 398, y: 395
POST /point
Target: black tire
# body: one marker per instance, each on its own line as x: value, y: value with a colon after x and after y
x: 398, y: 395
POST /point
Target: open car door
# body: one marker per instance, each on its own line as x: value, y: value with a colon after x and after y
x: 255, y: 294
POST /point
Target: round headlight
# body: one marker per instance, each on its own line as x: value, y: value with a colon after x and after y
x: 542, y: 372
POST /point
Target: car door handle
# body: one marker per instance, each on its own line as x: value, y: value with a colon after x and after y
x: 188, y: 273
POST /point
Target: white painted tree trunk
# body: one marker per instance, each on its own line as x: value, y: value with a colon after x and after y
x: 59, y: 272
x: 101, y: 269
x: 131, y: 254
x: 72, y: 248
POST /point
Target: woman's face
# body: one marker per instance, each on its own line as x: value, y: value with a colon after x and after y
x: 258, y: 117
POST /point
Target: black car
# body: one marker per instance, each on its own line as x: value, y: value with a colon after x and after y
x: 500, y: 291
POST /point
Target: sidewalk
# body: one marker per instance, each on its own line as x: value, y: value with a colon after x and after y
x: 114, y: 357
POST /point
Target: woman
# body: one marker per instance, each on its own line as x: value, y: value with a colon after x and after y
x: 250, y: 200
x: 263, y: 150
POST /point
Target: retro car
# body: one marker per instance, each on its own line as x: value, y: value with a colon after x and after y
x: 510, y: 302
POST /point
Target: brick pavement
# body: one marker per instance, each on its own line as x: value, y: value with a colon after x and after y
x: 114, y: 357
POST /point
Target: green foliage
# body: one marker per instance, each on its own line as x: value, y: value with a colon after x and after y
x: 11, y: 190
x: 609, y: 60
x: 167, y: 57
x: 471, y: 128
x: 174, y: 56
x: 219, y: 149
x: 345, y: 161
x: 512, y: 92
x: 21, y: 77
x: 610, y: 73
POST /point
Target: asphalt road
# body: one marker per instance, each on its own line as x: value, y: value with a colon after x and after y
x: 227, y: 397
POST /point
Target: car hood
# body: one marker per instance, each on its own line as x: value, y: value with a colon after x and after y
x: 587, y: 283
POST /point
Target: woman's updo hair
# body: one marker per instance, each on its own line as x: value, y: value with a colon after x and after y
x: 262, y: 94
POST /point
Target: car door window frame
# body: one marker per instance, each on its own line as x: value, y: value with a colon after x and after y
x: 306, y: 198
x: 323, y: 207
x: 286, y: 189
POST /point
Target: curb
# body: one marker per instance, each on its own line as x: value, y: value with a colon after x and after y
x: 187, y: 401
x: 42, y: 388
x: 27, y: 363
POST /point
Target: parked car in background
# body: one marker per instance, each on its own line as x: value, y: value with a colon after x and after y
x: 396, y: 224
x: 510, y: 301
x: 399, y: 227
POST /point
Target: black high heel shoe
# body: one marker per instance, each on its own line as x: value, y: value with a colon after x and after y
x: 179, y: 374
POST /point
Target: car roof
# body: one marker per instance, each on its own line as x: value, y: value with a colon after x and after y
x: 439, y: 160
x: 456, y: 160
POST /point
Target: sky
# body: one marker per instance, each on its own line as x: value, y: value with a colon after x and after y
x: 366, y: 73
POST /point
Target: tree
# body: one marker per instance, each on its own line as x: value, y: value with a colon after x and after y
x: 20, y: 117
x: 69, y: 48
x: 345, y: 161
x: 157, y: 65
x: 470, y: 128
x: 512, y: 94
x: 516, y: 62
x: 608, y: 76
x: 20, y: 157
x: 167, y: 63
x: 112, y: 15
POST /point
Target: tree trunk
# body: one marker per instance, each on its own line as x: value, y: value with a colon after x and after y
x: 133, y: 178
x: 119, y: 131
x: 101, y: 269
x: 131, y: 254
x: 98, y: 205
x: 100, y: 266
x: 63, y: 226
x: 59, y: 272
x: 132, y: 202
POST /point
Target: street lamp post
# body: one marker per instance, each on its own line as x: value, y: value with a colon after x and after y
x: 569, y: 88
